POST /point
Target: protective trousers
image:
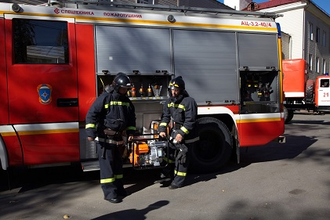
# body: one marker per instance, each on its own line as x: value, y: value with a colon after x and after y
x: 181, y: 168
x: 111, y: 170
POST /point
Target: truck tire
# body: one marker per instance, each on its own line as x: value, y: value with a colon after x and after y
x: 310, y: 91
x: 288, y: 115
x: 214, y: 148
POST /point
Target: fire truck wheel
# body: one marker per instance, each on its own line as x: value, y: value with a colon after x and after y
x: 214, y: 148
x: 310, y: 90
x: 288, y: 115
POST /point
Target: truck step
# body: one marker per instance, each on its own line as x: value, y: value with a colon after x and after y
x: 90, y: 166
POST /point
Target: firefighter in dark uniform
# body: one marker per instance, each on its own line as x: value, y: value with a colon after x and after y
x: 179, y: 113
x: 111, y: 117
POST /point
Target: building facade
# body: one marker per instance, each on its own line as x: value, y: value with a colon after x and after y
x: 237, y: 4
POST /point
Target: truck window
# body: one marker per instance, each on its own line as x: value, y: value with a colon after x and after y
x: 325, y: 83
x: 40, y: 42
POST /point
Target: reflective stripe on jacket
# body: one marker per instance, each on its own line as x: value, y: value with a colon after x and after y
x: 183, y: 111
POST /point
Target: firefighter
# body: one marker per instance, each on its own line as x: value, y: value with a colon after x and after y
x: 179, y: 113
x: 111, y: 117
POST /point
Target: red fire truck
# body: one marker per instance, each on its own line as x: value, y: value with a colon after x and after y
x: 301, y: 92
x: 57, y: 60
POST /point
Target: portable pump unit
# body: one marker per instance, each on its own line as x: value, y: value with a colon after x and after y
x: 148, y: 152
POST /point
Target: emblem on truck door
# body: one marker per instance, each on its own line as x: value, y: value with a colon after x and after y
x: 45, y: 94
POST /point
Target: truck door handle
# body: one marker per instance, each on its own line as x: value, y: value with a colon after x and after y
x: 67, y: 102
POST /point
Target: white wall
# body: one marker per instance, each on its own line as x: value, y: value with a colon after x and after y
x: 292, y: 22
x: 237, y: 4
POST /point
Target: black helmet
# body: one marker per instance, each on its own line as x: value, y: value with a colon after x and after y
x: 177, y: 83
x: 121, y: 81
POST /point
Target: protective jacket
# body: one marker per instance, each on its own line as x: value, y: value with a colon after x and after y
x: 110, y: 110
x: 183, y: 111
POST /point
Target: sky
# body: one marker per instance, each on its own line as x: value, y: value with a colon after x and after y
x: 324, y: 4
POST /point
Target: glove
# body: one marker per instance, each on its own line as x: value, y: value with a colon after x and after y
x: 173, y: 134
x: 182, y: 155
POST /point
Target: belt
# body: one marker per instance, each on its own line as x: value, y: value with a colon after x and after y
x: 189, y: 141
x: 112, y: 133
x: 109, y: 141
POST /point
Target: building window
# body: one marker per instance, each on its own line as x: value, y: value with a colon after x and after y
x: 324, y: 66
x: 317, y: 64
x: 317, y: 37
x: 310, y: 61
x: 43, y: 41
x: 311, y: 34
x: 324, y: 39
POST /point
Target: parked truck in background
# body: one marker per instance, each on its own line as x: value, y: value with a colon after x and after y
x: 301, y: 92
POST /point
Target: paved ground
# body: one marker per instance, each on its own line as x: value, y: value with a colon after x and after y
x: 276, y: 181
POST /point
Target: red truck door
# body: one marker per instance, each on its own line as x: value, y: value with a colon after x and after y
x: 42, y: 87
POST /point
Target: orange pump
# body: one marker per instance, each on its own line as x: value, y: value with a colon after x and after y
x: 138, y: 149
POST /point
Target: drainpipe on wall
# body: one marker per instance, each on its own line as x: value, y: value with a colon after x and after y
x: 304, y: 55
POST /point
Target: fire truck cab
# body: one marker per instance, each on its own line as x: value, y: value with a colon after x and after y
x: 57, y: 60
x: 322, y: 93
